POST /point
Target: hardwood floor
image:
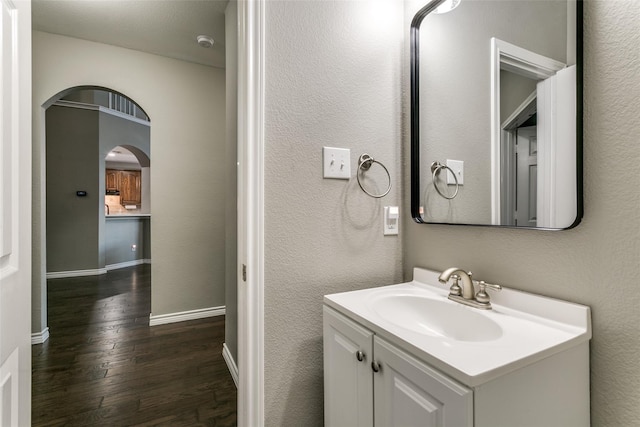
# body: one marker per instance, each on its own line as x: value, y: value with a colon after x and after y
x: 104, y: 366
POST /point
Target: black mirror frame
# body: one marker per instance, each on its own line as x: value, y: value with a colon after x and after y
x: 415, y: 120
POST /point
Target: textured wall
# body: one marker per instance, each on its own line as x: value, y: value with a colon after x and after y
x: 597, y: 263
x: 333, y: 77
x: 186, y: 105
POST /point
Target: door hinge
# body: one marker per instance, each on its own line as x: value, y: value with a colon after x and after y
x: 244, y: 273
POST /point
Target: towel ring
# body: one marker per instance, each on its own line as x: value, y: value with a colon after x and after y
x: 435, y: 170
x: 364, y: 164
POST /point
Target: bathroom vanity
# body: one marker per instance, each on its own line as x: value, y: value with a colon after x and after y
x: 406, y: 355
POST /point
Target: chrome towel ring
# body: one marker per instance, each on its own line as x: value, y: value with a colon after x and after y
x: 364, y: 164
x: 435, y: 170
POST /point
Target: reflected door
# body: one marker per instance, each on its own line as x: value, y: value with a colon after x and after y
x: 526, y: 177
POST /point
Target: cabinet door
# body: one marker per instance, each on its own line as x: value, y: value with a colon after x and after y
x: 410, y: 393
x: 130, y: 187
x: 111, y: 179
x: 348, y: 381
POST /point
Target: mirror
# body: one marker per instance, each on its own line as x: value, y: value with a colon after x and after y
x: 496, y: 114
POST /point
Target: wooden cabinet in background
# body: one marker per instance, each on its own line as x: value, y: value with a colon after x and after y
x: 111, y: 180
x: 127, y: 182
x: 130, y: 188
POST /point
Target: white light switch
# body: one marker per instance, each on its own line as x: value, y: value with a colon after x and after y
x: 336, y: 162
x: 458, y: 168
x: 391, y: 218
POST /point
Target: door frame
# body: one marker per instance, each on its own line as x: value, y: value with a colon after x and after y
x: 251, y: 50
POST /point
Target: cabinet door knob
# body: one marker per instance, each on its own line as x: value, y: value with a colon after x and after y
x: 360, y: 356
x: 375, y: 366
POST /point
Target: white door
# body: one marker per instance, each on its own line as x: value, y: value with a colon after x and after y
x: 526, y: 176
x: 410, y: 393
x: 557, y: 177
x: 348, y: 379
x: 15, y: 213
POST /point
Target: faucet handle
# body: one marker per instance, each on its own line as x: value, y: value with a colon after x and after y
x: 455, y: 288
x: 482, y: 297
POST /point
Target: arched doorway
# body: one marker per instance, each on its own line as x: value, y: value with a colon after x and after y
x: 81, y: 129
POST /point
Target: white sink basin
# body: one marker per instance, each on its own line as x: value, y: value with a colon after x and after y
x: 471, y: 345
x: 436, y: 317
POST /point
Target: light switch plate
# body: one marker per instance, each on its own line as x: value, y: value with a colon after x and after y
x: 458, y: 167
x: 390, y: 220
x: 336, y: 162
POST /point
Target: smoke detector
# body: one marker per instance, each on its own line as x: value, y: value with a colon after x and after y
x: 205, y: 41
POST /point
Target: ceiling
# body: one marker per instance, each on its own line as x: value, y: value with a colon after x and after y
x: 121, y: 155
x: 162, y: 27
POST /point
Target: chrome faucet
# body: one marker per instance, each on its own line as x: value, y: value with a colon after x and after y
x: 459, y: 274
x: 466, y: 294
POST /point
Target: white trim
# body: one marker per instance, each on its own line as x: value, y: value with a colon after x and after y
x: 509, y: 57
x: 126, y: 264
x: 83, y: 106
x: 231, y: 364
x: 76, y: 273
x: 251, y: 49
x: 525, y: 62
x: 96, y: 271
x: 181, y: 316
x: 40, y: 337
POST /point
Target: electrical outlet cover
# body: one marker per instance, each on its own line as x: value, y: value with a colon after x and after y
x: 458, y: 167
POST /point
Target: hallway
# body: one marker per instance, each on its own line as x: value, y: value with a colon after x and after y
x: 104, y: 365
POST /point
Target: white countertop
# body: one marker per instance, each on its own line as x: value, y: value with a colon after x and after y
x: 533, y: 327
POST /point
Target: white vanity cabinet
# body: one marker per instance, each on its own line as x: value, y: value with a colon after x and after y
x: 407, y: 390
x: 367, y: 378
x: 406, y: 355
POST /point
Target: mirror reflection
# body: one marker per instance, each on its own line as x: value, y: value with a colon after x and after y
x: 495, y: 108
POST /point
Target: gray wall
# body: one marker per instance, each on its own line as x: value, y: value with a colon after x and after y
x: 120, y: 234
x: 455, y: 76
x: 231, y: 171
x: 72, y: 221
x: 514, y: 89
x: 136, y: 137
x: 596, y: 263
x: 333, y: 78
x: 78, y: 142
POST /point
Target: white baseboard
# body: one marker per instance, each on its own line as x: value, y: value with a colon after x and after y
x: 76, y: 273
x: 40, y: 337
x: 231, y: 364
x: 126, y: 264
x: 97, y: 271
x: 181, y: 316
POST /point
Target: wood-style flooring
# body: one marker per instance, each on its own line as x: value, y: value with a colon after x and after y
x: 104, y: 366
